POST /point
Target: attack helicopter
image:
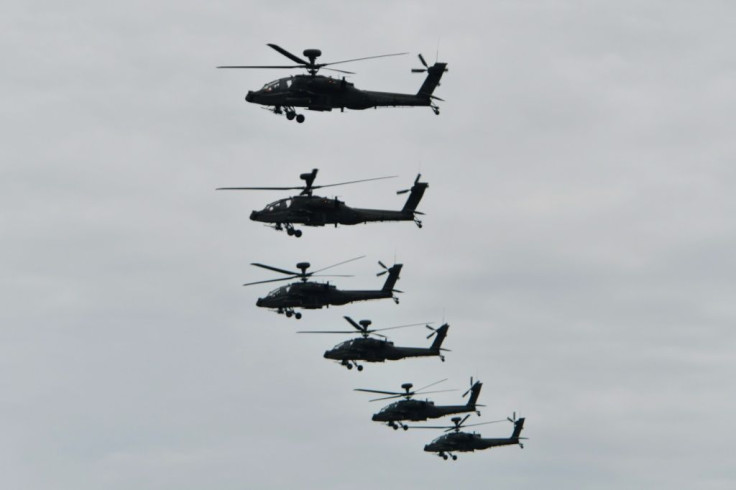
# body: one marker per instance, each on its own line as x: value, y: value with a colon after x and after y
x: 368, y: 349
x: 309, y: 210
x: 320, y: 93
x: 458, y: 441
x: 416, y: 410
x: 314, y: 295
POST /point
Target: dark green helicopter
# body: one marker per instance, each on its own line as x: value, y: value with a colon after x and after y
x: 314, y: 295
x: 457, y: 441
x: 416, y: 410
x: 309, y: 210
x: 320, y: 93
x: 368, y: 349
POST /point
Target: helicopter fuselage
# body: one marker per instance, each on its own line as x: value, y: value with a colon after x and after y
x: 321, y: 93
x: 466, y: 442
x: 375, y: 350
x: 416, y: 410
x: 321, y: 211
x: 315, y: 295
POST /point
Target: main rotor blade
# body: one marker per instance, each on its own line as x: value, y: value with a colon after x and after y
x: 335, y: 265
x: 431, y: 384
x: 421, y: 58
x: 299, y: 187
x: 354, y: 324
x: 389, y: 397
x: 433, y: 391
x: 260, y: 66
x: 343, y: 332
x: 287, y: 54
x: 330, y: 275
x: 378, y: 391
x: 360, y: 59
x: 398, y: 326
x: 276, y: 269
x: 485, y: 423
x: 270, y: 280
x: 259, y: 188
x: 354, y: 181
x: 430, y: 427
x: 341, y: 71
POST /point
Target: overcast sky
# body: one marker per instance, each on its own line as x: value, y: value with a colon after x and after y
x: 579, y: 238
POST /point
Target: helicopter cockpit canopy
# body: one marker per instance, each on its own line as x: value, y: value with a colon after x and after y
x: 345, y: 345
x: 280, y: 205
x: 271, y: 86
x: 438, y: 439
x: 390, y: 407
x: 282, y: 291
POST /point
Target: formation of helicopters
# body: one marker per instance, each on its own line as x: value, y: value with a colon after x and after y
x: 320, y: 93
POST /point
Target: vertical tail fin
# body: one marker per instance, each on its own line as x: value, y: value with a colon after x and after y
x: 417, y: 191
x: 393, y: 276
x: 474, y: 394
x: 441, y: 334
x: 518, y: 426
x: 434, y: 74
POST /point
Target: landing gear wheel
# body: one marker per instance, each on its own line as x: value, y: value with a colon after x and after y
x: 454, y: 458
x: 300, y: 118
x: 290, y: 231
x: 298, y: 315
x: 360, y: 368
x: 405, y: 427
x: 350, y: 366
x: 297, y: 233
x: 290, y: 116
x: 288, y: 314
x: 444, y: 456
x: 395, y: 427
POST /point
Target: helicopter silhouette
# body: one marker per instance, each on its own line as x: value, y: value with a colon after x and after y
x: 314, y: 295
x: 368, y: 349
x: 457, y: 441
x: 309, y: 210
x: 319, y: 93
x: 416, y: 410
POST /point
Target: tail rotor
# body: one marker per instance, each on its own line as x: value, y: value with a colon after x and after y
x: 469, y: 389
x: 385, y: 269
x: 421, y: 70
